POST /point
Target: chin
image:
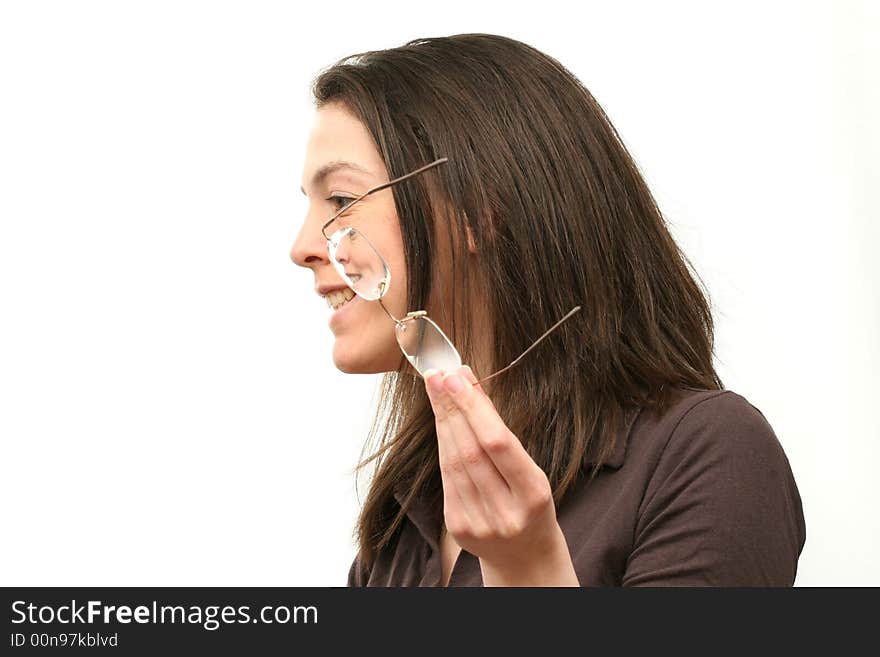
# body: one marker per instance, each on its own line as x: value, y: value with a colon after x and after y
x: 359, y: 364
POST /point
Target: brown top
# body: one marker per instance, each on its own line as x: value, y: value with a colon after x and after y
x: 702, y: 496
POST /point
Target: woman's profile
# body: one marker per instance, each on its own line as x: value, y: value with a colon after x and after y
x: 470, y: 202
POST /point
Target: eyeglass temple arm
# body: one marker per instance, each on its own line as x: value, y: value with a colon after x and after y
x: 533, y: 345
x: 379, y: 188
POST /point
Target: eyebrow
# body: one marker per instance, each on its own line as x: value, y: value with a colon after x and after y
x: 332, y: 167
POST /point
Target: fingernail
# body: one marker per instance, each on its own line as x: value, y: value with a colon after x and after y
x: 468, y: 373
x: 433, y: 382
x: 453, y: 383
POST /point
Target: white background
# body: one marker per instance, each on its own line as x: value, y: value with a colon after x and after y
x: 169, y: 411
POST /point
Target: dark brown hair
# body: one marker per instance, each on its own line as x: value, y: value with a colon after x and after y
x: 560, y: 216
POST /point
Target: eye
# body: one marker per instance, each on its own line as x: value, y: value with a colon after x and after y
x: 339, y: 202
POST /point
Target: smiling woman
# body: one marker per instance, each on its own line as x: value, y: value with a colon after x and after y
x: 611, y: 455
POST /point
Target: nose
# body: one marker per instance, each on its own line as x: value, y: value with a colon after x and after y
x: 309, y: 248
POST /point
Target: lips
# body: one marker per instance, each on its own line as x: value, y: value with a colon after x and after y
x: 324, y: 290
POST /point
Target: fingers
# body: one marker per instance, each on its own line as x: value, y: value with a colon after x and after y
x: 468, y: 406
x: 463, y: 462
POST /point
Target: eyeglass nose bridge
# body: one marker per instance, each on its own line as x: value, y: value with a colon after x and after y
x: 415, y: 314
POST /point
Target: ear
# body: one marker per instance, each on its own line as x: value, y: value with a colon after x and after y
x: 472, y: 247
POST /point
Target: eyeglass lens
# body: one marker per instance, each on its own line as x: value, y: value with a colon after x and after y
x: 359, y: 264
x: 426, y: 346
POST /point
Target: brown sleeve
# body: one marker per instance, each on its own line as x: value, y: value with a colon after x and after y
x: 722, y: 507
x: 355, y: 573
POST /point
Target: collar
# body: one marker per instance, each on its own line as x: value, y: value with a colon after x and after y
x: 427, y: 519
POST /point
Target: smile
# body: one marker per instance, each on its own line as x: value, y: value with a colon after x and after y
x: 339, y: 298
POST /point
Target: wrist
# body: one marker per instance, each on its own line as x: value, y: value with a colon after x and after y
x: 549, y: 565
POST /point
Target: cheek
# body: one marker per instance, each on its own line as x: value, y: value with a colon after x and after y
x: 390, y: 246
x: 398, y: 291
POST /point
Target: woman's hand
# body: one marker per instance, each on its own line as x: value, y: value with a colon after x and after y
x: 497, y: 502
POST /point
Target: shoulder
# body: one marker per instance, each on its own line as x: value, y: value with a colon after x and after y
x: 712, y: 406
x: 719, y: 503
x: 713, y: 426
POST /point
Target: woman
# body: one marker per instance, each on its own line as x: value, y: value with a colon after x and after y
x: 610, y: 454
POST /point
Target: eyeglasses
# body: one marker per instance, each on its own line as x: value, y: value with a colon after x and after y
x: 367, y: 273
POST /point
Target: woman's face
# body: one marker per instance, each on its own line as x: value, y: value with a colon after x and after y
x: 365, y: 341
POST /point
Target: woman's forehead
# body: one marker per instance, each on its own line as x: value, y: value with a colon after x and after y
x: 337, y: 136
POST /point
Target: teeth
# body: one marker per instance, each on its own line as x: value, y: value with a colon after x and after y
x: 337, y: 298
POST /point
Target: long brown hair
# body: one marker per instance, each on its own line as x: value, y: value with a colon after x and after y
x: 560, y: 216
